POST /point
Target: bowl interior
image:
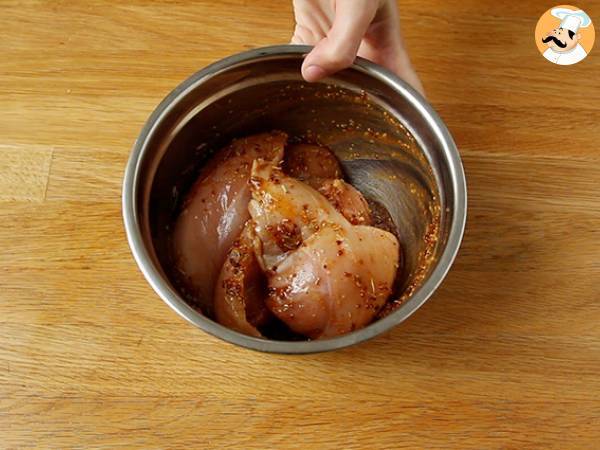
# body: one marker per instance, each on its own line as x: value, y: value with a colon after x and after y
x: 388, y: 148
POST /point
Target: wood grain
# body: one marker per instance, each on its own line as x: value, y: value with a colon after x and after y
x: 25, y: 171
x: 505, y: 355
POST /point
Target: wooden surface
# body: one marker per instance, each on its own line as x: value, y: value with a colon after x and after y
x: 505, y: 355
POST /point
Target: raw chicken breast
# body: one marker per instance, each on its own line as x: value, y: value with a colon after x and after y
x: 311, y: 163
x: 325, y: 276
x: 240, y: 291
x: 241, y: 288
x: 336, y: 282
x: 215, y: 212
x: 347, y: 200
x: 319, y: 168
x: 286, y: 212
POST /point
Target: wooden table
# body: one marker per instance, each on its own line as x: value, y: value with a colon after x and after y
x: 506, y: 354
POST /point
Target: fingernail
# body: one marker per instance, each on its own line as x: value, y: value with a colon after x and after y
x: 313, y: 73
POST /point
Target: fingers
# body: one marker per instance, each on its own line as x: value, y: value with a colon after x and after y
x: 304, y: 35
x: 395, y: 58
x: 384, y: 45
x: 408, y: 74
x: 338, y: 49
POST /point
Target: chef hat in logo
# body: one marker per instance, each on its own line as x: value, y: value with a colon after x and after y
x: 571, y: 19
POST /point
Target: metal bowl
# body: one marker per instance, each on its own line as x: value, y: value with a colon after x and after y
x: 392, y: 145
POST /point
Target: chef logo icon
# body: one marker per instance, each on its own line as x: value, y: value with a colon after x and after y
x: 564, y: 35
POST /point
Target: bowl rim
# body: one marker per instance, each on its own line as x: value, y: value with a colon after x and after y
x: 177, y: 303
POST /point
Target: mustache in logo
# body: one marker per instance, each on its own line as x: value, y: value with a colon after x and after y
x: 555, y: 40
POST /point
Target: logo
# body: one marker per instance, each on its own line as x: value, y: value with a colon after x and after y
x: 565, y: 35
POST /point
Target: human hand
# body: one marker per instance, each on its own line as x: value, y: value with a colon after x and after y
x: 341, y: 29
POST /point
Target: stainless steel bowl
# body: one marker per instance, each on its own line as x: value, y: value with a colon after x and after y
x: 392, y: 144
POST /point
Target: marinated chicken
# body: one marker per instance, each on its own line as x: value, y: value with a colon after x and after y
x: 325, y: 276
x: 311, y: 163
x: 271, y: 235
x: 347, y: 200
x: 215, y: 211
x: 241, y: 288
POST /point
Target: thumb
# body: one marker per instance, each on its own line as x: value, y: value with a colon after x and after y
x: 338, y: 49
